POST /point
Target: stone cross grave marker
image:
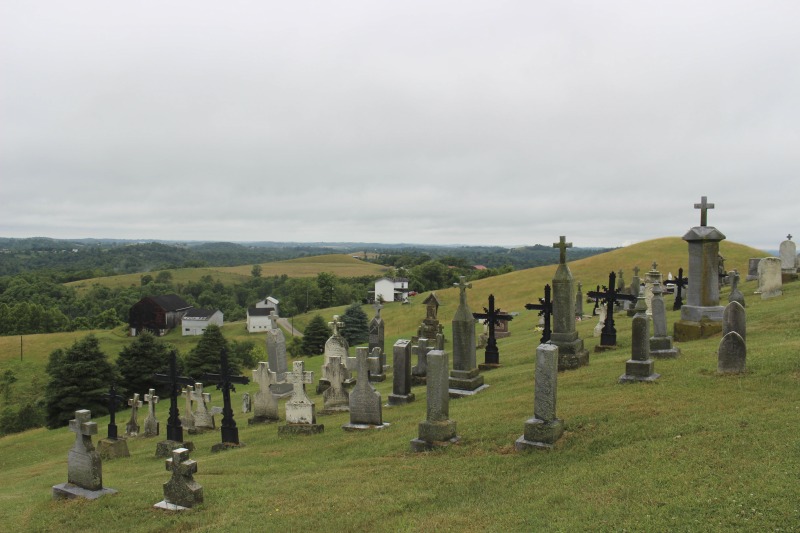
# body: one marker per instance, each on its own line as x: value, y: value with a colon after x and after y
x: 437, y: 429
x: 579, y: 302
x: 703, y: 206
x: 336, y: 345
x: 151, y: 425
x: 571, y: 351
x: 679, y: 283
x: 365, y: 401
x: 377, y: 340
x: 336, y: 398
x: 132, y: 427
x: 491, y: 316
x: 187, y: 420
x: 544, y: 429
x: 265, y: 404
x: 277, y: 357
x: 465, y: 377
x: 736, y: 294
x: 203, y: 419
x: 114, y: 401
x: 181, y: 492
x: 420, y: 370
x: 545, y: 307
x: 174, y: 427
x: 608, y: 336
x: 225, y: 382
x: 300, y: 410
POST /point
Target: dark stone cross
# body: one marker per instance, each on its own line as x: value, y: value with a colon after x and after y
x: 680, y: 283
x: 224, y: 381
x: 114, y: 400
x: 545, y: 307
x: 608, y: 337
x: 562, y: 245
x: 704, y: 206
x: 596, y: 309
x: 492, y: 317
x: 174, y: 428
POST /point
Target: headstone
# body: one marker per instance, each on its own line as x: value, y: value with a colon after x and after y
x: 420, y: 370
x: 245, y: 403
x: 132, y: 427
x: 84, y: 466
x: 732, y: 354
x: 365, y: 401
x: 187, y: 420
x: 301, y: 417
x: 639, y: 368
x: 734, y: 319
x: 203, y: 419
x: 225, y: 382
x: 437, y: 429
x: 788, y: 254
x: 335, y: 397
x: 701, y: 316
x: 579, y: 302
x: 181, y: 492
x: 491, y: 317
x: 770, y: 283
x: 465, y: 377
x: 608, y: 336
x: 736, y: 295
x: 430, y: 324
x: 545, y: 308
x: 174, y: 422
x: 151, y: 425
x: 752, y: 268
x: 401, y: 383
x: 377, y: 340
x: 601, y: 320
x: 661, y: 345
x: 679, y: 284
x: 544, y: 429
x: 113, y: 447
x: 620, y: 281
x: 265, y: 402
x: 336, y: 345
x: 652, y: 277
x: 276, y: 356
x: 571, y: 353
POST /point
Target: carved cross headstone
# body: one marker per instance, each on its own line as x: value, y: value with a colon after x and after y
x: 491, y: 317
x: 181, y: 491
x: 174, y: 428
x: 187, y: 420
x: 545, y: 307
x: 132, y: 427
x: 562, y: 245
x: 265, y: 404
x: 703, y: 206
x: 225, y: 382
x: 151, y: 423
x: 84, y: 467
x: 202, y: 416
x: 608, y: 337
x: 365, y: 401
x: 300, y: 409
x: 335, y: 397
x: 114, y: 401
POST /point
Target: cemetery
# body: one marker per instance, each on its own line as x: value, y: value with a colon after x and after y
x: 706, y: 440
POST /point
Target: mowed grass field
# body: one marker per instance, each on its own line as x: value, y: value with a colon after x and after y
x: 692, y: 452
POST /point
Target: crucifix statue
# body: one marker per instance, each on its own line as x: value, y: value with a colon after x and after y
x: 225, y: 382
x: 680, y: 283
x: 545, y: 307
x: 492, y: 317
x: 562, y: 245
x: 704, y: 206
x: 336, y: 324
x: 174, y: 428
x: 608, y: 337
x: 377, y: 305
x: 114, y: 400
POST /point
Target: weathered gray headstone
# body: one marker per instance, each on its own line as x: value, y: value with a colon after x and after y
x: 335, y: 397
x: 132, y: 427
x: 736, y: 294
x: 735, y: 319
x: 652, y: 277
x: 633, y: 290
x: 437, y: 429
x: 430, y: 324
x: 752, y: 268
x: 401, y: 383
x: 203, y: 418
x: 661, y: 345
x: 579, y: 302
x: 639, y: 368
x: 732, y: 354
x: 770, y: 283
x: 365, y: 401
x: 84, y: 466
x: 245, y: 402
x: 276, y: 357
x: 181, y: 492
x: 571, y: 352
x: 544, y: 429
x: 465, y: 375
x: 187, y: 420
x: 601, y: 320
x: 336, y: 345
x: 377, y: 340
x: 265, y: 402
x: 301, y: 417
x: 151, y: 425
x: 420, y: 370
x: 788, y: 253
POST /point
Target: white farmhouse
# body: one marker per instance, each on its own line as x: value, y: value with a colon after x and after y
x: 391, y: 289
x: 258, y: 315
x: 195, y: 321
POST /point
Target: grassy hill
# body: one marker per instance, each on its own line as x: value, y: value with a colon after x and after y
x: 692, y: 452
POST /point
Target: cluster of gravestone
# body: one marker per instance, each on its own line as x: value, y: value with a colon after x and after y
x: 560, y: 349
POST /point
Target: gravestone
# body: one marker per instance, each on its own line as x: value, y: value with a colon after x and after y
x: 265, y: 402
x: 788, y: 254
x: 276, y: 356
x: 661, y: 345
x: 301, y: 418
x: 770, y: 283
x: 601, y: 320
x: 639, y: 368
x: 701, y: 316
x: 378, y: 340
x: 84, y: 466
x: 491, y: 317
x: 734, y: 318
x: 437, y: 429
x: 245, y: 403
x: 544, y: 429
x: 151, y: 425
x: 420, y: 370
x: 181, y: 492
x: 365, y: 401
x: 634, y: 289
x: 112, y: 446
x: 679, y: 284
x: 465, y: 377
x: 174, y: 422
x: 608, y: 335
x: 187, y: 420
x: 579, y: 302
x: 652, y: 277
x: 732, y: 354
x: 401, y: 373
x: 545, y: 308
x: 596, y: 299
x: 225, y: 382
x: 571, y: 353
x: 335, y: 397
x: 752, y: 268
x: 336, y: 345
x: 620, y: 281
x: 736, y: 295
x: 203, y: 419
x: 430, y: 326
x: 132, y: 427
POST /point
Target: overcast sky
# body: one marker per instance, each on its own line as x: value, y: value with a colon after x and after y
x: 437, y: 122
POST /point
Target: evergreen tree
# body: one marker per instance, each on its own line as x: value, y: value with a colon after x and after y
x: 79, y: 376
x: 356, y: 325
x: 206, y: 356
x: 315, y: 335
x: 139, y: 360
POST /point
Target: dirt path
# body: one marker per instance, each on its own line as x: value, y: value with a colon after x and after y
x: 285, y: 324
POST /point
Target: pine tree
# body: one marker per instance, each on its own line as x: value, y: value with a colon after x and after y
x: 356, y: 325
x: 139, y: 360
x: 79, y: 376
x: 206, y: 356
x: 315, y: 335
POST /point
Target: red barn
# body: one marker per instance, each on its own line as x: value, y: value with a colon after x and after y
x: 157, y: 314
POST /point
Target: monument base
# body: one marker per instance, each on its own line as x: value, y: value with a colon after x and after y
x: 699, y: 313
x: 301, y: 429
x: 364, y: 427
x: 112, y: 448
x: 223, y: 446
x: 165, y: 447
x: 377, y: 378
x: 163, y: 504
x: 662, y: 348
x: 443, y: 430
x: 466, y: 380
x: 540, y: 434
x: 460, y: 393
x: 571, y: 353
x: 400, y: 399
x: 691, y: 331
x: 262, y: 420
x: 636, y: 371
x: 419, y: 445
x: 68, y: 491
x: 419, y: 380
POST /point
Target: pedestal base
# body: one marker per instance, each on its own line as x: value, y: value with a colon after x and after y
x: 459, y: 393
x: 684, y: 331
x: 540, y: 434
x: 223, y: 446
x: 364, y: 427
x: 571, y: 353
x: 377, y: 378
x: 662, y: 348
x: 400, y: 399
x: 112, y: 449
x: 636, y: 371
x: 301, y: 429
x: 68, y: 491
x: 419, y: 380
x: 165, y: 447
x: 419, y: 445
x: 334, y: 410
x: 466, y: 380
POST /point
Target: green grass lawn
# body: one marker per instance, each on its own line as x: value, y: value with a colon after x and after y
x: 691, y: 452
